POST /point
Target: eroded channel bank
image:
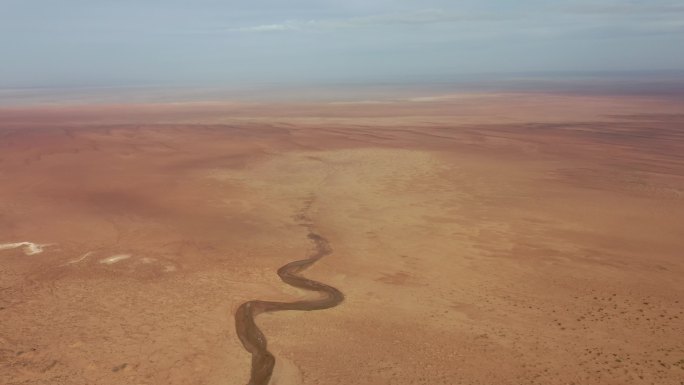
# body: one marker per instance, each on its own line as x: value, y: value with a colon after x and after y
x: 249, y: 333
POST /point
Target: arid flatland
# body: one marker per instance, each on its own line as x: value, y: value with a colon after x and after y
x: 478, y: 239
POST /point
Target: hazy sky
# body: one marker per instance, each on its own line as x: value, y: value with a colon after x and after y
x: 176, y: 42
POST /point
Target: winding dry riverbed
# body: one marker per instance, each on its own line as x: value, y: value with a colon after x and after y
x: 249, y: 333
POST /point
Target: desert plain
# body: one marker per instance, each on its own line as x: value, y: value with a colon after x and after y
x: 479, y: 238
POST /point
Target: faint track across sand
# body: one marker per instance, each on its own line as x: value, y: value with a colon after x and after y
x: 249, y: 333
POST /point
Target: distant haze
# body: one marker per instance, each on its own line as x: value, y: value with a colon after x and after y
x: 76, y: 43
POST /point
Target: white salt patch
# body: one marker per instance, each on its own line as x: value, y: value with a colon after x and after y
x: 84, y: 256
x: 30, y: 248
x: 362, y: 102
x: 427, y: 99
x: 115, y: 258
x: 435, y: 98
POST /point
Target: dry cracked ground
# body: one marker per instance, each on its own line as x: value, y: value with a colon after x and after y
x: 478, y: 239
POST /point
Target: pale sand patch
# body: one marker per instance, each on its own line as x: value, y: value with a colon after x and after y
x: 30, y: 248
x: 285, y: 372
x: 115, y: 258
x: 167, y: 268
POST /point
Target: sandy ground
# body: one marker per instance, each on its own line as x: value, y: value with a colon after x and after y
x: 478, y: 239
